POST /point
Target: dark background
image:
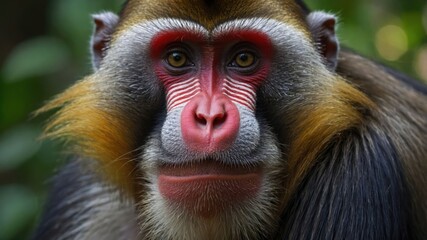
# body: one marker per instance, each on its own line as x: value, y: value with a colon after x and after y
x: 44, y: 49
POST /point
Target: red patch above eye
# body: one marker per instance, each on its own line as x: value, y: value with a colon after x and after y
x: 160, y: 41
x: 163, y: 39
x: 257, y: 38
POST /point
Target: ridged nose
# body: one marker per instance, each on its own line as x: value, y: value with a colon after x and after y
x: 209, y: 124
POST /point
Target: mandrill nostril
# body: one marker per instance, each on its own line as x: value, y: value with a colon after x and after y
x: 214, y: 121
x: 219, y: 120
x: 201, y: 120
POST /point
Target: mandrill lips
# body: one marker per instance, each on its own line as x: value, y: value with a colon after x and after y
x: 206, y: 188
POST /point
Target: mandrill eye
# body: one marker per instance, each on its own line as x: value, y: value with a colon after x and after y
x: 244, y: 59
x: 177, y: 59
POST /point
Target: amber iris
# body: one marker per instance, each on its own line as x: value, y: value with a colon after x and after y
x: 177, y: 59
x: 245, y: 59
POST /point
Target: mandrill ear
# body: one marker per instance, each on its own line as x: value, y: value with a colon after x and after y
x: 322, y: 26
x: 105, y: 23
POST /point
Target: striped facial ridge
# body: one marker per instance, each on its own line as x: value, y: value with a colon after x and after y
x: 240, y: 93
x: 180, y: 93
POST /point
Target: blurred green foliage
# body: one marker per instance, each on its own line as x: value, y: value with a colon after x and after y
x: 34, y: 69
x: 45, y: 49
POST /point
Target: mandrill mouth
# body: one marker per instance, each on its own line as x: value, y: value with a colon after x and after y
x: 209, y: 187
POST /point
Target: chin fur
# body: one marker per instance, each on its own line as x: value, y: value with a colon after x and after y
x: 245, y: 220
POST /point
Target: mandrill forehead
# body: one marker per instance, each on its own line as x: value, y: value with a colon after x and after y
x: 210, y: 13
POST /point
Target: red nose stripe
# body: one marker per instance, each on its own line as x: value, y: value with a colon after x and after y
x: 182, y: 92
x: 240, y: 92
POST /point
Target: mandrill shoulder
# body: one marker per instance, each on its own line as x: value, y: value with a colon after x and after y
x: 375, y: 79
x: 400, y: 100
x: 400, y: 103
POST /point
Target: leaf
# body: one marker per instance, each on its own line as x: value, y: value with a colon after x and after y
x: 17, y: 146
x: 36, y: 57
x: 18, y: 206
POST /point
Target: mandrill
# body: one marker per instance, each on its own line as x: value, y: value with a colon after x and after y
x: 236, y: 120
